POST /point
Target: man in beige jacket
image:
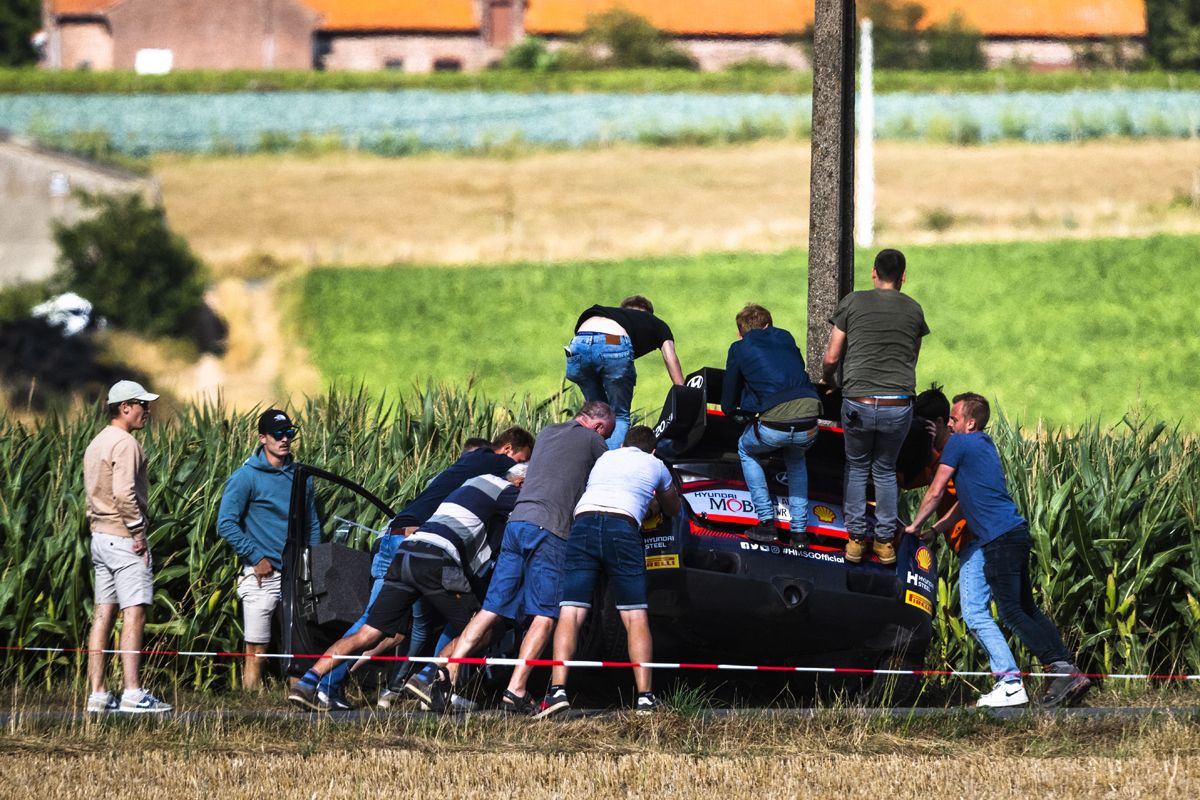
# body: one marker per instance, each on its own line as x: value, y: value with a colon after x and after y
x: 114, y: 477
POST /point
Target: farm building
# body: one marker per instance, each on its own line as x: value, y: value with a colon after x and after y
x: 422, y: 36
x: 36, y: 189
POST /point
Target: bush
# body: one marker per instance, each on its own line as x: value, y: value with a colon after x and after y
x: 129, y: 264
x: 901, y: 42
x: 1173, y: 32
x: 622, y: 39
x: 531, y: 53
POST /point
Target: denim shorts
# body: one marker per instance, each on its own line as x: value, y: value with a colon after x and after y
x: 528, y: 576
x: 610, y: 544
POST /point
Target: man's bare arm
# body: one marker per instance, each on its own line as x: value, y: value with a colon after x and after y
x: 672, y: 362
x: 833, y: 353
x: 933, y: 495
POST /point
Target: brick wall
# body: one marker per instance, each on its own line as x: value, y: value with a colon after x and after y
x: 84, y: 44
x: 408, y: 52
x: 714, y: 54
x: 216, y: 34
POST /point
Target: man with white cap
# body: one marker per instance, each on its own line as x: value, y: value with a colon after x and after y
x: 115, y: 482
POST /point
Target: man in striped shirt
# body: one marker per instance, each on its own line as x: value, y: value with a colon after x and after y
x: 439, y: 562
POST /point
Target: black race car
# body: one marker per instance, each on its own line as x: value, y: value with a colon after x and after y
x: 715, y: 596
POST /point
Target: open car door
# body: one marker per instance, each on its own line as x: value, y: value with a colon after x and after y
x: 326, y: 585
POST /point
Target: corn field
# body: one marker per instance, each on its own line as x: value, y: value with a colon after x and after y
x: 392, y: 449
x: 1114, y: 514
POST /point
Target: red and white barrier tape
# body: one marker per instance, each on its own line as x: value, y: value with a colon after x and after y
x: 548, y: 662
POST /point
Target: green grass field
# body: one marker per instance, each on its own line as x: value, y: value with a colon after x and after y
x: 772, y: 81
x: 1062, y: 331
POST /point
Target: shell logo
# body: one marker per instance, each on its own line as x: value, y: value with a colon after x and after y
x: 924, y: 559
x: 824, y: 514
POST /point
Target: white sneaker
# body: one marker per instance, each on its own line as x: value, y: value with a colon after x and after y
x: 1004, y: 695
x: 139, y: 701
x: 102, y: 703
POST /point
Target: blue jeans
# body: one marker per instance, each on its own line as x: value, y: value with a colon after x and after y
x: 759, y: 440
x: 975, y: 598
x: 604, y: 372
x: 614, y: 546
x: 873, y: 435
x: 388, y: 545
x: 528, y: 575
x: 1006, y: 567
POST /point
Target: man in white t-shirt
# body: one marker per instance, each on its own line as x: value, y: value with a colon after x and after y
x: 606, y: 535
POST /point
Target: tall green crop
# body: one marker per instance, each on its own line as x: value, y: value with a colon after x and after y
x: 45, y: 569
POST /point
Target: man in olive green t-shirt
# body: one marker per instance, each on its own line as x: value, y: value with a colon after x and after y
x: 876, y: 337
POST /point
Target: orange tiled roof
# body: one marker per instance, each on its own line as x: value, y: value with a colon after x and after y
x: 82, y: 7
x: 764, y: 17
x: 426, y: 15
x: 1045, y: 17
x: 730, y: 17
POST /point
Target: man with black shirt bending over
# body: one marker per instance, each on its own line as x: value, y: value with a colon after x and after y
x: 601, y: 354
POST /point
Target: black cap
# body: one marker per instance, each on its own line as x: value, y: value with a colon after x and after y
x: 273, y: 420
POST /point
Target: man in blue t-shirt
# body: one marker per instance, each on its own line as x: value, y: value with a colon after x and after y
x: 971, y: 459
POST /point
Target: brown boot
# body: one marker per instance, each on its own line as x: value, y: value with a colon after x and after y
x: 855, y: 549
x: 886, y: 552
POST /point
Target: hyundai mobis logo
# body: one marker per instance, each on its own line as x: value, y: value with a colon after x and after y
x: 696, y: 382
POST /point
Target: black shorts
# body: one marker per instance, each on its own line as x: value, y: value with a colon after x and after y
x: 417, y: 573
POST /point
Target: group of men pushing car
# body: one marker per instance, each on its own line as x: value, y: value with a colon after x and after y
x: 576, y: 508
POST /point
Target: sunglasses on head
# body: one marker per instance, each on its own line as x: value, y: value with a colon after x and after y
x: 284, y: 433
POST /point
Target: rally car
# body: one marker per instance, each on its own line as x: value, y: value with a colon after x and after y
x: 714, y: 595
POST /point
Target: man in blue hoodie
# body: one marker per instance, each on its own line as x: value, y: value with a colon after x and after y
x: 765, y: 378
x: 253, y: 518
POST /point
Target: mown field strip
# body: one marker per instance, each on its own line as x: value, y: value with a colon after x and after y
x: 491, y: 775
x: 356, y: 209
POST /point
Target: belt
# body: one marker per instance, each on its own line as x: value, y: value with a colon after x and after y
x: 610, y: 515
x: 609, y: 338
x: 882, y: 401
x: 790, y: 426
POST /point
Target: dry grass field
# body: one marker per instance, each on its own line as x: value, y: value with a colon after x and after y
x: 601, y: 204
x: 838, y: 753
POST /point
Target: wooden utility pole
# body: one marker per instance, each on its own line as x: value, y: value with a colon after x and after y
x: 831, y: 209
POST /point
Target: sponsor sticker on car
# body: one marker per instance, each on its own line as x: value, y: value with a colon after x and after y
x: 918, y: 600
x: 735, y: 506
x: 662, y: 562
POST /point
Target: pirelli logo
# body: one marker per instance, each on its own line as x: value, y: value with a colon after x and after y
x: 918, y: 600
x: 662, y: 562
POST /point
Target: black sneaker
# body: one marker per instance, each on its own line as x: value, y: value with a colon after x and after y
x: 556, y: 701
x: 440, y: 692
x: 763, y: 533
x: 306, y: 697
x: 1067, y: 689
x: 647, y: 703
x: 515, y: 705
x: 800, y: 540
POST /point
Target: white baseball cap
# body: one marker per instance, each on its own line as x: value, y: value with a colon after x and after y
x: 123, y: 391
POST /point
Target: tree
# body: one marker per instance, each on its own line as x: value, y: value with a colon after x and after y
x: 136, y: 272
x: 903, y: 42
x: 19, y: 20
x: 628, y: 40
x: 1173, y: 32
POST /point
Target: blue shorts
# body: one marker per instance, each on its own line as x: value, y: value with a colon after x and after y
x: 528, y: 575
x: 605, y: 543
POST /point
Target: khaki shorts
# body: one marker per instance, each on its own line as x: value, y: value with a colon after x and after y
x: 258, y: 604
x: 122, y: 576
